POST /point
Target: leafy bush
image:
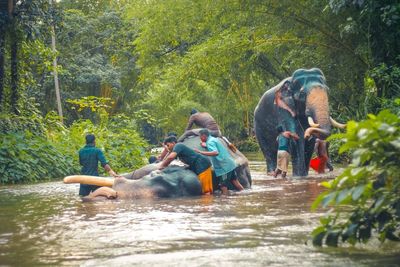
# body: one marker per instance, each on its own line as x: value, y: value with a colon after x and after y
x: 28, y: 157
x: 248, y: 145
x: 365, y: 197
x: 50, y: 150
x: 123, y: 147
x: 13, y: 123
x: 334, y: 155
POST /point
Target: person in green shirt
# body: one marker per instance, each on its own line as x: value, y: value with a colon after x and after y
x: 197, y: 163
x: 89, y: 158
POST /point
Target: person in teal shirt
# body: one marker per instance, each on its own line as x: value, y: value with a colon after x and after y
x: 89, y: 158
x: 283, y: 155
x: 223, y: 163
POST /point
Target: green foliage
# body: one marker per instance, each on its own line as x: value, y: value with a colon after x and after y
x: 334, y: 155
x: 248, y: 145
x: 36, y: 148
x: 28, y: 157
x: 369, y: 187
x: 92, y: 102
x: 12, y: 123
x: 121, y: 143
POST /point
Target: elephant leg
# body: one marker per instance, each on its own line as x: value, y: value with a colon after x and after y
x: 297, y: 151
x: 308, y: 151
x: 269, y: 151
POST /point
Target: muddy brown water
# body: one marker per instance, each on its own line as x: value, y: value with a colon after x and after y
x: 269, y: 225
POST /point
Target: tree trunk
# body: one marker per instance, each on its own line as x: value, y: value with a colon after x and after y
x: 2, y: 54
x: 14, y: 73
x: 4, y: 11
x: 14, y: 57
x: 55, y: 73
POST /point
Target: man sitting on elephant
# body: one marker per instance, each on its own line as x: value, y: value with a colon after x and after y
x: 202, y: 120
x: 198, y: 163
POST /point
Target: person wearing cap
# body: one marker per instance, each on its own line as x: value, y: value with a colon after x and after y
x: 223, y: 163
x: 89, y: 158
x: 202, y: 120
x: 197, y: 163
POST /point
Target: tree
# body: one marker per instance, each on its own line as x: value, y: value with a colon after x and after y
x: 19, y: 21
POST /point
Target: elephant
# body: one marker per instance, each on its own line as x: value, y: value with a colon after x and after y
x: 173, y: 181
x: 307, y: 97
x: 150, y: 182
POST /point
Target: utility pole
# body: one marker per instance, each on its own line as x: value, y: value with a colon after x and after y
x: 55, y: 73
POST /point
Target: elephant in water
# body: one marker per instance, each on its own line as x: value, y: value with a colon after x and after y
x: 299, y: 104
x: 150, y: 182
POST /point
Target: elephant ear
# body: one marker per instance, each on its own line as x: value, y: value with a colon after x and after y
x: 303, y: 79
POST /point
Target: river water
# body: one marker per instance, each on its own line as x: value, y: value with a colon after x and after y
x: 269, y: 225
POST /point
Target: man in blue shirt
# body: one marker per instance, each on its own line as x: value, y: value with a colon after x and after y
x: 89, y: 157
x: 223, y: 163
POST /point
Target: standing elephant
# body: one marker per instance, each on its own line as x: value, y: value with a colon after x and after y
x: 304, y: 111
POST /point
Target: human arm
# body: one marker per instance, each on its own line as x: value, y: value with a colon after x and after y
x: 289, y: 134
x: 110, y: 171
x: 190, y: 123
x: 207, y: 153
x: 168, y: 160
x: 163, y: 154
x: 80, y: 159
x: 104, y: 163
x: 212, y: 149
x: 280, y: 103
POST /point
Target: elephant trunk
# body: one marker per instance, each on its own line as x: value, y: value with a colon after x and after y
x: 317, y: 107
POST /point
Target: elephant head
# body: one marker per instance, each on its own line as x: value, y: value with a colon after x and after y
x: 310, y: 94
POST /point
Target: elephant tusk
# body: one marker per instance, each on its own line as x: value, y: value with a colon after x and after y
x: 312, y: 123
x: 309, y: 131
x: 337, y: 124
x: 87, y: 179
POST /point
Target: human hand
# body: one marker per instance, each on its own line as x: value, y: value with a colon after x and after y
x: 295, y: 136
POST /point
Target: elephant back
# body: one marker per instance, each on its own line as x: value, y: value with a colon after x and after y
x: 241, y: 161
x: 307, y: 79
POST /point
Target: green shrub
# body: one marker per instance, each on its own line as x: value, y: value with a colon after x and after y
x: 14, y: 123
x: 52, y: 152
x: 28, y: 157
x: 248, y: 145
x: 369, y: 188
x: 334, y: 155
x: 122, y: 147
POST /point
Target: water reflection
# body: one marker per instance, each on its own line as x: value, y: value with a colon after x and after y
x: 268, y: 225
